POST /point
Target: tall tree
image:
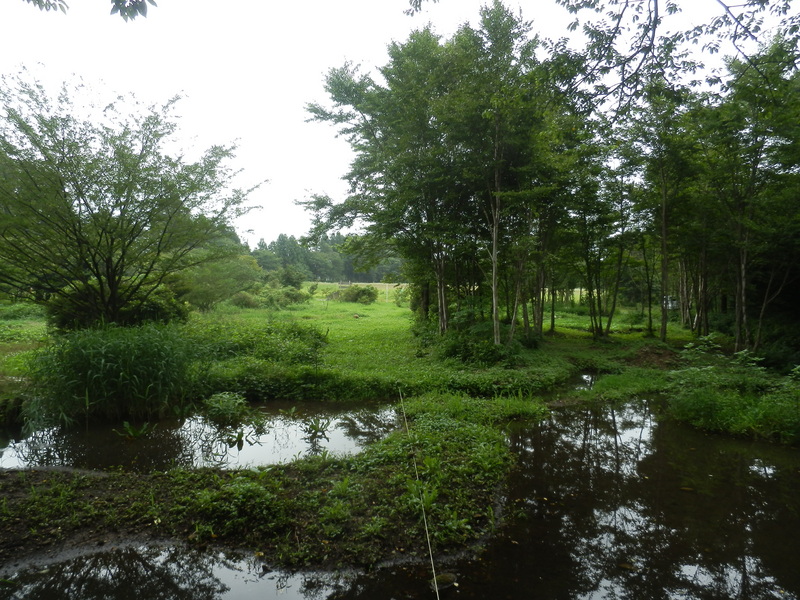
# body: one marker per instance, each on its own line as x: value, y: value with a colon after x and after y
x: 94, y: 211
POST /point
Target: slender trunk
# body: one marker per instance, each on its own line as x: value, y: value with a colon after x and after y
x: 769, y: 296
x: 664, y: 259
x: 742, y: 335
x: 648, y: 277
x: 615, y: 290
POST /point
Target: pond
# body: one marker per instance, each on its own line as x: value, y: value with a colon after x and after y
x: 288, y: 431
x: 607, y: 503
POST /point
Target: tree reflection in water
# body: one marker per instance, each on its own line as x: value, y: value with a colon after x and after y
x: 606, y: 503
x: 153, y: 573
x: 620, y: 506
x: 134, y: 572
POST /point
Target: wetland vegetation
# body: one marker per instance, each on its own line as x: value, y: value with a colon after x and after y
x: 327, y: 509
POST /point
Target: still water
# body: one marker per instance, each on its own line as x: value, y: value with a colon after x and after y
x: 607, y: 503
x: 287, y: 432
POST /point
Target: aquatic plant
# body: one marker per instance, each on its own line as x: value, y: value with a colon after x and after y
x: 132, y: 432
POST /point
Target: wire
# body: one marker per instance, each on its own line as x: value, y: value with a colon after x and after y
x: 421, y: 500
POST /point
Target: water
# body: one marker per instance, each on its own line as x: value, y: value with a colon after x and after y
x: 608, y: 504
x: 289, y: 431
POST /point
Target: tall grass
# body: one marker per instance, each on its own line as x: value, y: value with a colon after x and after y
x: 110, y: 373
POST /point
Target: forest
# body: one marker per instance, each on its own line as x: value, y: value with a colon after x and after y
x: 507, y: 173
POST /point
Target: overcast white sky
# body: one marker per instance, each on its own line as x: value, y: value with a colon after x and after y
x: 246, y: 69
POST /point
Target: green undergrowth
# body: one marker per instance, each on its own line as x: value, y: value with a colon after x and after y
x: 734, y: 394
x: 450, y: 464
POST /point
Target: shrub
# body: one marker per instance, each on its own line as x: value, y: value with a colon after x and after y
x: 356, y: 293
x: 734, y: 394
x: 475, y: 347
x: 245, y: 300
x: 73, y: 308
x: 226, y: 408
x: 277, y: 298
x: 110, y: 372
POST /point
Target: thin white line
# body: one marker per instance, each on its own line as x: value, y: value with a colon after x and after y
x: 421, y: 501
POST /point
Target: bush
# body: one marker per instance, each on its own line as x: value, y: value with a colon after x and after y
x: 280, y: 297
x: 734, y: 394
x: 72, y: 310
x: 476, y: 347
x: 356, y: 293
x: 226, y: 408
x: 245, y: 300
x: 111, y: 373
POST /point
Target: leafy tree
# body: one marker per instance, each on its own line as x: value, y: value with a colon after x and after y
x: 127, y: 9
x: 94, y: 212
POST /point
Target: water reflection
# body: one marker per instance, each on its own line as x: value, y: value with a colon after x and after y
x: 607, y: 503
x: 158, y: 573
x: 288, y: 432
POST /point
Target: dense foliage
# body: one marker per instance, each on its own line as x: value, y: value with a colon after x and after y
x: 492, y: 163
x: 97, y: 216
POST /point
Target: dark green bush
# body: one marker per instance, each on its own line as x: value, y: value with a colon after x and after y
x: 77, y: 308
x: 245, y: 300
x: 278, y: 298
x: 734, y: 394
x: 475, y: 346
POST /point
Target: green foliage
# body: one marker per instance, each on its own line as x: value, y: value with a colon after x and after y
x: 287, y: 342
x: 18, y: 311
x: 245, y: 300
x: 734, y: 394
x: 498, y: 409
x: 355, y: 293
x: 477, y: 350
x: 277, y: 298
x: 226, y: 408
x: 96, y: 215
x: 110, y: 373
x: 69, y: 310
x: 206, y: 285
x: 233, y: 506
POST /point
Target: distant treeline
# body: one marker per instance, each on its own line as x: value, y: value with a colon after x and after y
x: 325, y: 260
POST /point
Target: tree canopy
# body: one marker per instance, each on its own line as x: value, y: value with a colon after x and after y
x: 127, y: 9
x: 504, y: 181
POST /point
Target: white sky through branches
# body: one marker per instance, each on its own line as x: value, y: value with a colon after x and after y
x: 246, y: 70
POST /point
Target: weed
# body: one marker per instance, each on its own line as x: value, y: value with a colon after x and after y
x: 132, y: 432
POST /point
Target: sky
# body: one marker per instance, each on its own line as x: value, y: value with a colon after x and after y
x: 245, y: 69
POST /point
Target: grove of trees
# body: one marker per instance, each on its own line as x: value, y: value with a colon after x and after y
x: 506, y: 171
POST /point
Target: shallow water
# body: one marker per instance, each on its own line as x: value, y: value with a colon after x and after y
x: 608, y: 503
x: 289, y: 431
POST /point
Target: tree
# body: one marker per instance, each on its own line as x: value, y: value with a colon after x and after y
x: 94, y: 211
x: 127, y: 9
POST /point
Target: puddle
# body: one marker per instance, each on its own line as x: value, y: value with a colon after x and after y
x: 289, y: 431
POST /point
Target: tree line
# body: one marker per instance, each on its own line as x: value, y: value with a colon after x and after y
x: 503, y: 177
